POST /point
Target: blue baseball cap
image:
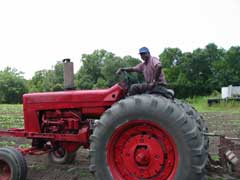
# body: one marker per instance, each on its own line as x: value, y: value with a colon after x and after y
x: 143, y: 50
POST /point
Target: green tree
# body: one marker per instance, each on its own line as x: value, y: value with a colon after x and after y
x: 90, y: 70
x: 170, y: 57
x: 12, y: 86
x: 47, y: 80
x: 232, y: 58
x: 98, y: 69
x: 41, y: 81
x: 194, y: 73
x: 58, y: 74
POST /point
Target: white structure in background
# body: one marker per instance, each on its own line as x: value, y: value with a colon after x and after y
x: 230, y: 92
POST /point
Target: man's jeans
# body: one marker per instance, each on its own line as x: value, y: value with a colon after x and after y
x: 152, y: 89
x: 139, y: 88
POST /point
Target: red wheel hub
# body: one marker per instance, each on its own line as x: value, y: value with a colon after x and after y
x: 5, y: 171
x: 142, y: 156
x: 142, y: 149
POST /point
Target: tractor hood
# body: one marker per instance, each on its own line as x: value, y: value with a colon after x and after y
x: 75, y: 96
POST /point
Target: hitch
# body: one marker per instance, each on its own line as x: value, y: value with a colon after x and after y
x: 221, y: 135
x: 229, y: 155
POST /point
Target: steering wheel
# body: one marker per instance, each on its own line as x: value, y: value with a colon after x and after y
x: 125, y: 80
x: 128, y: 79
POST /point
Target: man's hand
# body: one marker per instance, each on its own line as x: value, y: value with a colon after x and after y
x: 119, y: 71
x: 127, y: 69
x: 153, y: 83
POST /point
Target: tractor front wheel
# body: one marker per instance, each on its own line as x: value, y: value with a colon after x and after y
x: 12, y: 165
x: 148, y: 137
x: 61, y: 156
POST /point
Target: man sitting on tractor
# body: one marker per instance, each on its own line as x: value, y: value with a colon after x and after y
x: 152, y: 71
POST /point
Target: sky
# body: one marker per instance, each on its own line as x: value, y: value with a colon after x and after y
x: 35, y: 34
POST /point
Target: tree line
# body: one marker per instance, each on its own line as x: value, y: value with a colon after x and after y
x: 195, y: 73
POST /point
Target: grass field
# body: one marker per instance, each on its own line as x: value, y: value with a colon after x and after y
x: 200, y: 103
x: 11, y: 115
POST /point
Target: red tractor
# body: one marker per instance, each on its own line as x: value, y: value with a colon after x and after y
x: 147, y: 136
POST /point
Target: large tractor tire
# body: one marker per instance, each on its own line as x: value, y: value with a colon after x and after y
x: 197, y: 117
x: 13, y: 165
x: 149, y: 137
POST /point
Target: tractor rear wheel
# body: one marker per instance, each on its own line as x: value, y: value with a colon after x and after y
x: 13, y: 165
x: 201, y: 123
x: 148, y: 137
x: 61, y: 156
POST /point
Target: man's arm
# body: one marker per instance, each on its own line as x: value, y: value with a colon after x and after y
x: 137, y: 68
x: 129, y: 69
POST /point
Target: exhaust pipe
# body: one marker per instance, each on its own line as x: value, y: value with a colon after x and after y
x: 68, y: 75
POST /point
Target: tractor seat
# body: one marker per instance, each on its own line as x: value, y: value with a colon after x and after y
x: 159, y: 89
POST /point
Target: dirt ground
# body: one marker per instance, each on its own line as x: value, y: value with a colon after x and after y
x: 222, y: 123
x: 39, y: 168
